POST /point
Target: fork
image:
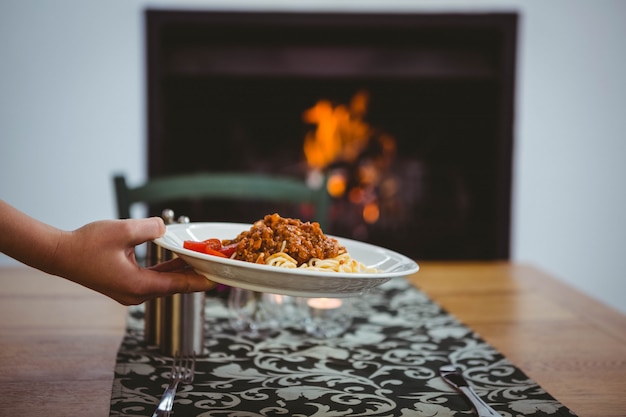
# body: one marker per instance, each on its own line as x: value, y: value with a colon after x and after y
x: 183, y: 369
x: 454, y: 377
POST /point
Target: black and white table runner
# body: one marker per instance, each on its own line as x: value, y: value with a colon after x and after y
x: 384, y: 365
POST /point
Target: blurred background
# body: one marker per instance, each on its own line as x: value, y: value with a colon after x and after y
x: 73, y: 111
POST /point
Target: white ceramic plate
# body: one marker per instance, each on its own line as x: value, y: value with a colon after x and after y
x: 272, y: 279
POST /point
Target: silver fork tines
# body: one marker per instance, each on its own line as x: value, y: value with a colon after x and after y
x: 183, y: 369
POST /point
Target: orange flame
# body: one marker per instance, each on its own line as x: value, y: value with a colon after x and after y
x: 341, y: 136
x: 341, y: 133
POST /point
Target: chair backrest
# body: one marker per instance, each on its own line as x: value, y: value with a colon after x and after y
x: 228, y: 186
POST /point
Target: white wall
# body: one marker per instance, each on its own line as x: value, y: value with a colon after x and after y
x: 72, y: 113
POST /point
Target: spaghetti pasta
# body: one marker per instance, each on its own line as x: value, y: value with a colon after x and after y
x: 340, y: 263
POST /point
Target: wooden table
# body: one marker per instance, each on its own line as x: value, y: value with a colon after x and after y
x: 58, y: 341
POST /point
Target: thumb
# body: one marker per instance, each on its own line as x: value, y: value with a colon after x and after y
x: 143, y: 230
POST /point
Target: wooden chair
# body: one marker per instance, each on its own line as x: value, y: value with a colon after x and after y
x: 223, y: 186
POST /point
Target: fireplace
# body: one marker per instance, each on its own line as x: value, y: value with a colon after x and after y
x: 429, y: 96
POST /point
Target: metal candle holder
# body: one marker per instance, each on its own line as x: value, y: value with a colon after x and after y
x: 174, y: 323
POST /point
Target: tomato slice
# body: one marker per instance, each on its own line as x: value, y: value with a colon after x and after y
x: 210, y: 247
x: 195, y: 246
x: 214, y: 244
x: 214, y: 252
x: 228, y: 250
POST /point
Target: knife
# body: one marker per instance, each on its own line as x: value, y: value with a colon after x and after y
x: 455, y: 378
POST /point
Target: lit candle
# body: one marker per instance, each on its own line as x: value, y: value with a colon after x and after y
x: 327, y: 317
x: 324, y: 303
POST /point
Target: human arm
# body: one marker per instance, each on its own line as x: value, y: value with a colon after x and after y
x: 99, y: 255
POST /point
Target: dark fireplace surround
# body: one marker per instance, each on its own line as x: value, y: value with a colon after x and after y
x: 227, y: 91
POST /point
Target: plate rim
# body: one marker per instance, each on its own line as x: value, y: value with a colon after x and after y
x: 410, y: 266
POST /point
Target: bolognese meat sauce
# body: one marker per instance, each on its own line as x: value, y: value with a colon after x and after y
x: 301, y: 240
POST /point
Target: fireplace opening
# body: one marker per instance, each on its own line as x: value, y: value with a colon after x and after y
x: 420, y: 108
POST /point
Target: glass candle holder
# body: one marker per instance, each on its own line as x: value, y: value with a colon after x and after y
x: 326, y: 317
x: 256, y: 314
